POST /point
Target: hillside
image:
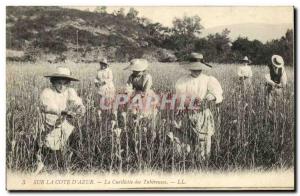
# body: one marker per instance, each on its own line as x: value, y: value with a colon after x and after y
x: 56, y: 34
x: 74, y: 34
x: 261, y: 32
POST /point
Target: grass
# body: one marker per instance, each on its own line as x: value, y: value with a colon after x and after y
x: 246, y: 137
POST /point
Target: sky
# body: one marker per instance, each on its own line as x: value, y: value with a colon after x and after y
x: 213, y: 16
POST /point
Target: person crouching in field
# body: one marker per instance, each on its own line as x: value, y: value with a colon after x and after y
x: 276, y: 80
x: 139, y: 90
x: 245, y: 75
x: 204, y: 89
x: 140, y: 84
x: 105, y: 87
x: 58, y: 103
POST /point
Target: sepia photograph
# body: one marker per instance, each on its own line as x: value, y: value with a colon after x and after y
x: 139, y: 98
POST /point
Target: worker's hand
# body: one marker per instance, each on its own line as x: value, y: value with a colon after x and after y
x: 97, y: 83
x: 68, y: 113
x: 71, y: 114
x: 143, y: 94
x: 129, y: 89
x: 197, y: 100
x: 210, y: 97
x: 103, y: 83
x: 80, y: 110
x: 176, y: 124
x: 273, y: 84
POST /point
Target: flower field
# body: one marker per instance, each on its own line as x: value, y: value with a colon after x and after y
x: 248, y: 135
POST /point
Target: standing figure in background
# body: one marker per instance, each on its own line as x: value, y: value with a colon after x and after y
x: 245, y: 100
x: 276, y: 79
x: 205, y: 90
x: 245, y: 75
x: 104, y: 83
x: 58, y: 103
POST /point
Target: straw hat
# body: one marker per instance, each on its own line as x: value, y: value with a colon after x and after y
x: 137, y: 65
x: 277, y: 61
x: 245, y: 59
x: 62, y: 72
x: 196, y: 62
x: 103, y: 61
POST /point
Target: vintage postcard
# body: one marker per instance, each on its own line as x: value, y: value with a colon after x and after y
x: 150, y: 98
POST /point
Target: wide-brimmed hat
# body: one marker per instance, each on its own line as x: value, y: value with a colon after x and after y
x: 62, y: 72
x: 246, y: 59
x: 103, y: 61
x: 196, y: 62
x: 137, y: 65
x: 277, y: 61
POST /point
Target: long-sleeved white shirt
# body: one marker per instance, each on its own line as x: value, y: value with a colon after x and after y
x: 107, y: 89
x: 201, y: 87
x: 244, y: 71
x: 54, y: 103
x: 105, y: 75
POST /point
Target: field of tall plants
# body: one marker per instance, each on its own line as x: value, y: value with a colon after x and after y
x: 248, y: 135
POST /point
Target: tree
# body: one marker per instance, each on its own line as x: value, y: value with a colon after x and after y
x: 188, y: 26
x: 260, y: 53
x: 289, y: 46
x: 121, y: 12
x: 255, y: 50
x: 215, y: 47
x: 100, y: 9
x: 185, y: 33
x: 283, y: 47
x: 144, y: 21
x: 132, y: 13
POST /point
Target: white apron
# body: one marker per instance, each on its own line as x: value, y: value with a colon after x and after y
x: 59, y: 136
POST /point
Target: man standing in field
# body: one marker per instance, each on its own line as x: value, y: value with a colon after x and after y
x: 58, y: 103
x: 203, y: 89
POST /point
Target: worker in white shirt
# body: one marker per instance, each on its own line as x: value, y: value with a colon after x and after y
x: 58, y: 103
x: 104, y: 83
x: 140, y: 83
x: 245, y: 74
x: 204, y: 88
